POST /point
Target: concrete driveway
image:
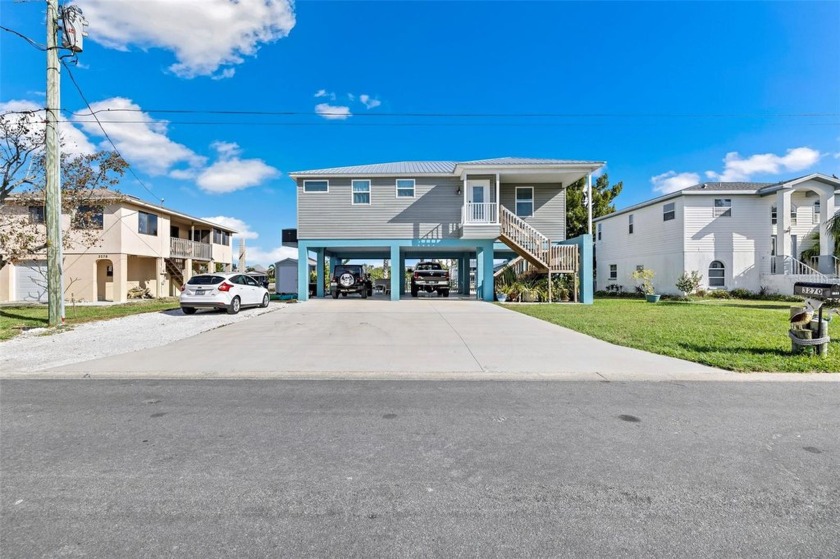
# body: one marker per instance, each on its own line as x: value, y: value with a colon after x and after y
x: 421, y: 338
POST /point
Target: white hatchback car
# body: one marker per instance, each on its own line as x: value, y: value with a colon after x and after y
x: 231, y: 291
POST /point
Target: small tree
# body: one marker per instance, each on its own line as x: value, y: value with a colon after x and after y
x: 645, y: 279
x: 689, y: 282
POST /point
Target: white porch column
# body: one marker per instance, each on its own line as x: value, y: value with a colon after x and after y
x: 464, y: 189
x: 160, y: 269
x: 589, y: 204
x: 498, y: 197
x: 827, y: 209
x: 783, y: 204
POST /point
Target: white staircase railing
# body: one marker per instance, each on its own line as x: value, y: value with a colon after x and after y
x: 790, y: 266
x: 834, y: 266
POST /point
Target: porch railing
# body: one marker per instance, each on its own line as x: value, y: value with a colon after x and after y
x: 481, y: 213
x: 563, y: 258
x: 789, y: 266
x: 185, y: 248
x: 826, y: 262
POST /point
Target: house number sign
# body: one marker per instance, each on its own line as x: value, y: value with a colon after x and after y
x: 103, y: 256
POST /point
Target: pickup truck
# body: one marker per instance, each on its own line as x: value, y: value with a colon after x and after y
x: 430, y: 276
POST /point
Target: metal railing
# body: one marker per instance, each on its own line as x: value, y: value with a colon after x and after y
x: 483, y: 213
x: 826, y: 262
x: 185, y: 248
x: 790, y: 266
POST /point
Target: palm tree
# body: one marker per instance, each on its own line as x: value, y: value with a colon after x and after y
x: 270, y: 271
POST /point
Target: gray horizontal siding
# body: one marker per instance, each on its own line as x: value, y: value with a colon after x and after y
x: 434, y: 212
x: 549, y: 207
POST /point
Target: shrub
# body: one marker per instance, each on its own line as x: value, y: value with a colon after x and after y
x: 645, y: 279
x: 689, y: 282
x: 740, y: 293
x: 719, y: 294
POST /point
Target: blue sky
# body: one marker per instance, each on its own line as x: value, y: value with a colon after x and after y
x: 668, y: 93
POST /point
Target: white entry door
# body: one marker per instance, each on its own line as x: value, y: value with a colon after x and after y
x: 478, y: 198
x: 31, y: 281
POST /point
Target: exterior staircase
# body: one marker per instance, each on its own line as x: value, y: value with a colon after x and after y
x: 534, y: 247
x: 175, y: 269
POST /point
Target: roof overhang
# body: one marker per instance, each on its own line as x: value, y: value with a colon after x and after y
x: 565, y: 174
x: 790, y: 185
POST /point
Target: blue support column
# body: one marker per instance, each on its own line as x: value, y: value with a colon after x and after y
x: 587, y: 296
x: 319, y: 272
x: 396, y: 272
x: 303, y: 273
x: 484, y: 272
x: 402, y: 274
x: 464, y: 274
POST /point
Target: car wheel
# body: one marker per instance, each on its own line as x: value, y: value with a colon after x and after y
x: 266, y: 299
x: 188, y: 310
x: 444, y: 293
x: 344, y: 294
x: 363, y: 293
x: 234, y: 306
x: 414, y: 292
x: 335, y: 294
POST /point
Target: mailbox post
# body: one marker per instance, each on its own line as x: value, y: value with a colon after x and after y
x: 819, y: 292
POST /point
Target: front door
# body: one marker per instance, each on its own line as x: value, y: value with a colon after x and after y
x: 478, y: 195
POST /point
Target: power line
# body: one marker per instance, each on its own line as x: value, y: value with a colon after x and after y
x: 460, y: 114
x: 369, y: 124
x: 38, y: 46
x: 117, y: 151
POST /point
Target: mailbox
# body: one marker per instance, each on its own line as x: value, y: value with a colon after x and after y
x: 821, y: 291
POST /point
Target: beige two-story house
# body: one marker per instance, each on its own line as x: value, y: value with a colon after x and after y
x: 128, y: 243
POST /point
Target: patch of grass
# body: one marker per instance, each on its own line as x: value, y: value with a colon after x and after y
x: 15, y: 319
x: 734, y: 334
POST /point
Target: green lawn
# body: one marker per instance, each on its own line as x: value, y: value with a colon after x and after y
x: 17, y: 318
x: 733, y: 334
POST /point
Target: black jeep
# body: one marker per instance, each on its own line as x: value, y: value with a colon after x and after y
x: 350, y: 278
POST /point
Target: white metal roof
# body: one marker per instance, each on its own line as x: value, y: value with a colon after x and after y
x: 438, y: 167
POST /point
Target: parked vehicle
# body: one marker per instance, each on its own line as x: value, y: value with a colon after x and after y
x: 230, y: 291
x: 350, y: 278
x: 430, y: 276
x: 261, y: 278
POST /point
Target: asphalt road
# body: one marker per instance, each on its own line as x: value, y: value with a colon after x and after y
x: 418, y: 469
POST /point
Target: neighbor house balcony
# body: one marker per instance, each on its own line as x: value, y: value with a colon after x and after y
x: 480, y: 220
x: 185, y: 248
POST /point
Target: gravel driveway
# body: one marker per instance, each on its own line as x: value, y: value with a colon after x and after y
x: 36, y: 350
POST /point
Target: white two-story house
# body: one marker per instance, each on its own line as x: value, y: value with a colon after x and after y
x: 469, y: 211
x: 736, y: 234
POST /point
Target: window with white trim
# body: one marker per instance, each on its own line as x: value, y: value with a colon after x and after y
x: 524, y: 201
x: 405, y: 188
x: 147, y: 224
x: 723, y: 207
x: 599, y: 231
x: 815, y: 218
x: 717, y: 274
x: 669, y: 212
x: 774, y: 215
x: 613, y: 271
x: 316, y: 186
x: 361, y: 192
x: 794, y: 212
x: 630, y: 224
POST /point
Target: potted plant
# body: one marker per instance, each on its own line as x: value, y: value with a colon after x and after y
x: 644, y: 277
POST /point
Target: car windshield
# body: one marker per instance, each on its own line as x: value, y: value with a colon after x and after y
x: 205, y: 280
x: 351, y: 269
x: 428, y: 266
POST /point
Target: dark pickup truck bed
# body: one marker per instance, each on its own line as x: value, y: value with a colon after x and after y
x: 428, y: 277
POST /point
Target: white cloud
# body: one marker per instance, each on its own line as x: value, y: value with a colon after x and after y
x: 332, y: 112
x: 256, y: 255
x: 673, y: 181
x: 74, y: 141
x: 230, y: 173
x: 324, y: 93
x: 243, y: 230
x: 737, y: 168
x: 225, y: 74
x: 140, y: 139
x: 369, y: 102
x: 204, y: 35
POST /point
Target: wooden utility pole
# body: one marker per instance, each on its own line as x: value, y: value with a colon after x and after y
x: 52, y: 202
